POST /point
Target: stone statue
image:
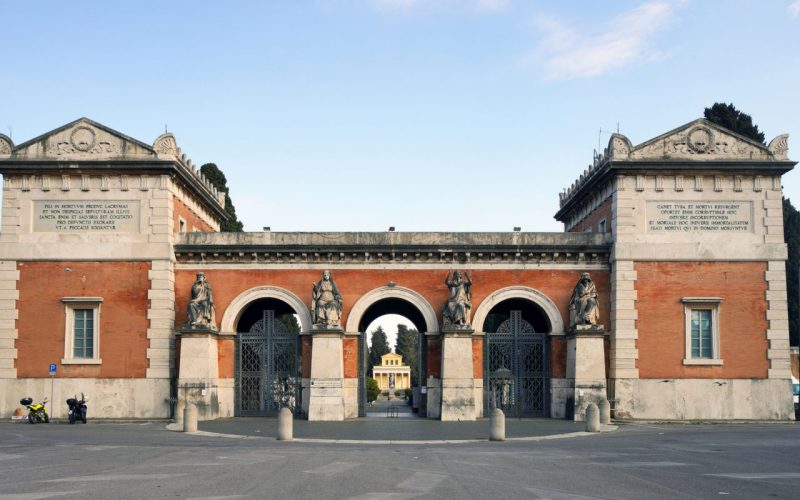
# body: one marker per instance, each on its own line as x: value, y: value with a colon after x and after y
x: 456, y: 311
x: 201, y: 306
x: 583, y: 305
x: 326, y: 303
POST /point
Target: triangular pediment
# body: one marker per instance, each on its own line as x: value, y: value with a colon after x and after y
x: 699, y: 140
x: 83, y: 140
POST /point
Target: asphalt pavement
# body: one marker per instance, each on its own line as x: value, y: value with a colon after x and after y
x: 144, y: 460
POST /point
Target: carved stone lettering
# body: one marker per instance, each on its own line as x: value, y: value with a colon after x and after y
x: 121, y: 216
x: 702, y: 216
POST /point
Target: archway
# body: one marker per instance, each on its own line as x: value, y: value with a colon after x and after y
x: 395, y: 375
x: 267, y: 354
x: 516, y: 354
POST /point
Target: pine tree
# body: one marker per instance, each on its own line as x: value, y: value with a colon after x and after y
x: 217, y: 178
x: 379, y: 346
x: 407, y: 345
x: 726, y: 115
x: 791, y: 232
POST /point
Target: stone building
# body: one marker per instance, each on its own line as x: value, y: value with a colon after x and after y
x: 665, y: 294
x: 392, y: 373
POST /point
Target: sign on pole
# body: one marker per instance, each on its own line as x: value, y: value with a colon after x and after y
x: 52, y: 369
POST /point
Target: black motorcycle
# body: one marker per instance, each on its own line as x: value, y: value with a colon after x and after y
x: 77, y: 409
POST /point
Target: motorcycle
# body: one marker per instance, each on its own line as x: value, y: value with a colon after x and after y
x: 36, y: 412
x: 77, y: 409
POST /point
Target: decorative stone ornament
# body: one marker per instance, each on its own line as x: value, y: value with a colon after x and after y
x: 201, y: 311
x: 583, y: 309
x: 6, y: 145
x: 326, y: 303
x: 455, y: 313
x: 165, y: 145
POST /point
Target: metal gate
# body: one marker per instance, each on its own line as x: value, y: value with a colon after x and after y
x: 267, y: 369
x: 517, y: 369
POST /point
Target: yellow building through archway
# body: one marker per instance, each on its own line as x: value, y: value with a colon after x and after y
x: 392, y: 373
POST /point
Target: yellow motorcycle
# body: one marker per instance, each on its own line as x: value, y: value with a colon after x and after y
x: 36, y: 412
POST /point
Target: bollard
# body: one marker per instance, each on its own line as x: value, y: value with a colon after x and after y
x: 592, y: 418
x: 605, y: 411
x: 497, y: 425
x: 285, y: 423
x: 190, y: 418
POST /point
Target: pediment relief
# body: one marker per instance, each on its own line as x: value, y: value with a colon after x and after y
x: 6, y: 145
x: 699, y: 140
x: 83, y: 140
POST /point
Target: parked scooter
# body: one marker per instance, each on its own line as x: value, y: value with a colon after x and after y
x: 36, y: 412
x: 77, y: 409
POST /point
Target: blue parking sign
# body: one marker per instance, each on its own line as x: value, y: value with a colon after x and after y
x: 52, y: 369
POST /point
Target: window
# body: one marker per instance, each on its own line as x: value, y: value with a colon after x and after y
x: 181, y: 225
x: 601, y: 226
x: 702, y: 330
x: 81, y: 339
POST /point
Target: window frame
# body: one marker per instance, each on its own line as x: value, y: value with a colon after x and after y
x: 702, y: 304
x: 71, y: 304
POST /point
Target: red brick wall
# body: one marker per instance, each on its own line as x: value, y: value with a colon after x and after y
x: 350, y: 352
x: 434, y: 358
x: 591, y: 221
x: 354, y: 283
x: 123, y: 316
x: 477, y: 358
x: 558, y: 357
x: 742, y: 317
x: 193, y: 221
x: 225, y: 357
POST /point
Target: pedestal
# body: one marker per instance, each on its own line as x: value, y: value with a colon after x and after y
x: 586, y: 367
x: 198, y: 380
x: 458, y: 383
x: 326, y: 399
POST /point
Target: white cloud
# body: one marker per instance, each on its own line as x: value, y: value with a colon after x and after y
x: 794, y: 8
x: 569, y: 51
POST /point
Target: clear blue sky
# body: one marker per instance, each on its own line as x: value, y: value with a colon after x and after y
x: 463, y: 115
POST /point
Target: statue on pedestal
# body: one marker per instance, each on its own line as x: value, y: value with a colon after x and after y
x: 201, y: 312
x: 326, y: 303
x: 583, y: 304
x: 456, y: 311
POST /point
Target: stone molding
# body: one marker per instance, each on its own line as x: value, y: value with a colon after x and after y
x: 520, y: 292
x: 624, y: 333
x: 234, y: 310
x: 392, y: 292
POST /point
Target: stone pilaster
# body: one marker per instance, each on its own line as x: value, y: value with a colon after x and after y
x: 198, y: 380
x: 778, y: 318
x: 326, y: 399
x: 586, y: 367
x: 458, y: 384
x: 161, y: 314
x: 9, y: 295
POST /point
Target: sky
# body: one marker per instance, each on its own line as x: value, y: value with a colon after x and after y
x: 426, y: 115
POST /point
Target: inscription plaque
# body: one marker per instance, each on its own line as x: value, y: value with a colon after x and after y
x: 120, y: 216
x: 711, y: 217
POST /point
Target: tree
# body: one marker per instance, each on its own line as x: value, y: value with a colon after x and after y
x: 407, y: 345
x: 290, y: 322
x: 726, y: 115
x: 379, y: 346
x: 217, y: 178
x: 791, y: 232
x: 373, y: 390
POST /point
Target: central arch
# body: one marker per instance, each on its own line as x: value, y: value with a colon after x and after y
x: 392, y: 292
x: 521, y: 292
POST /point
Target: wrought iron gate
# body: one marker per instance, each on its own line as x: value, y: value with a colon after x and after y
x: 517, y: 369
x: 267, y: 369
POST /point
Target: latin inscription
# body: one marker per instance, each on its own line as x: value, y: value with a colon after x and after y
x: 712, y: 217
x: 86, y: 216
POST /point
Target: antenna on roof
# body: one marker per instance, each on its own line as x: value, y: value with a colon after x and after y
x: 10, y: 133
x: 600, y: 134
x: 165, y: 128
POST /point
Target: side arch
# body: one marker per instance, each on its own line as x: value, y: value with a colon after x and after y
x: 520, y: 292
x: 237, y: 306
x: 392, y: 292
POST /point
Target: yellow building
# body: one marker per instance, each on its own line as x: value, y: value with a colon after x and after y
x: 392, y: 373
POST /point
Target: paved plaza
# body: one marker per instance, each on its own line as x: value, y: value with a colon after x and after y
x: 144, y: 460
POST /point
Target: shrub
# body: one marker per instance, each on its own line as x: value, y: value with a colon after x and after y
x: 372, y: 390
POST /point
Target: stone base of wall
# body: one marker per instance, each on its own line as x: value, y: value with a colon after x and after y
x: 350, y: 396
x: 561, y: 391
x: 434, y: 406
x: 106, y: 397
x: 703, y: 399
x: 214, y: 400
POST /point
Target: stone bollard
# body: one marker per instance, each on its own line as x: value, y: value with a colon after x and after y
x: 592, y: 418
x: 190, y: 418
x: 285, y: 423
x: 497, y: 425
x: 605, y: 411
